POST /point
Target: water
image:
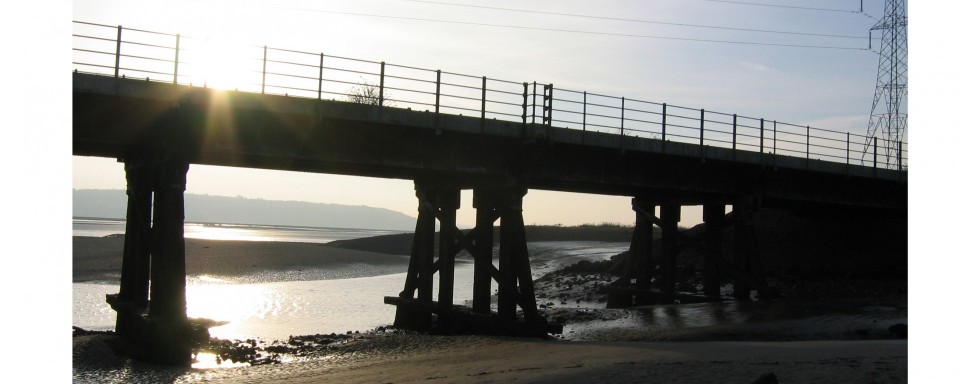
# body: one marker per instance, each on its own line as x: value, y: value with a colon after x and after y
x: 349, y: 298
x: 275, y: 310
x: 214, y: 231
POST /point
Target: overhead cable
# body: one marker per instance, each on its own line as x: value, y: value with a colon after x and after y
x: 610, y: 18
x: 785, y: 6
x: 575, y: 31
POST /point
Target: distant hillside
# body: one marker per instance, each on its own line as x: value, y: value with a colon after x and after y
x: 238, y: 210
x: 400, y: 244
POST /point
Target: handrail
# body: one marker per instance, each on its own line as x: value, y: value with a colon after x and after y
x: 107, y: 50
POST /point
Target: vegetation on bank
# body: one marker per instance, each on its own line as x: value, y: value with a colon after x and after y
x: 401, y: 244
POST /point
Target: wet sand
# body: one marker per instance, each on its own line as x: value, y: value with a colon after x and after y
x: 409, y: 358
x: 484, y: 360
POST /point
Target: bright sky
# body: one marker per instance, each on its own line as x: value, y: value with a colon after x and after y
x: 622, y: 48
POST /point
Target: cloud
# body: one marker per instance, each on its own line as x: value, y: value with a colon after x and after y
x: 849, y: 123
x: 755, y: 66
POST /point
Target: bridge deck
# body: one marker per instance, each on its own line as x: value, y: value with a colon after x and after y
x: 124, y: 118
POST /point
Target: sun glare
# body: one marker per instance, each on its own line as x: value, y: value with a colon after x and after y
x: 225, y: 63
x: 213, y: 299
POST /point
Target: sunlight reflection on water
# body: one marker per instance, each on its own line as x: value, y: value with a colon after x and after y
x: 243, y: 232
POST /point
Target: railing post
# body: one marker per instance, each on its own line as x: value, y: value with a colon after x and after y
x: 623, y: 102
x: 900, y: 155
x: 663, y: 128
x: 874, y: 154
x: 263, y: 73
x: 848, y: 150
x: 701, y: 126
x: 436, y: 107
x: 116, y: 65
x: 886, y: 154
x: 548, y: 104
x: 734, y: 133
x: 774, y: 144
x: 483, y: 99
x: 176, y: 60
x: 383, y: 66
x: 584, y: 110
x: 761, y: 138
x: 523, y: 116
x: 533, y: 118
x: 320, y: 80
x: 808, y: 142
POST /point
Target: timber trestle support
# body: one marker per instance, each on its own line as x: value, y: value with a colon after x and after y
x: 635, y: 285
x: 151, y: 304
x: 416, y: 308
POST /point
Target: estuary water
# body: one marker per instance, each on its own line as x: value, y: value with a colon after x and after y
x: 217, y: 231
x: 276, y: 309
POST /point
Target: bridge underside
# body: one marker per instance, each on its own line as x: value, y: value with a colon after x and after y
x: 159, y: 129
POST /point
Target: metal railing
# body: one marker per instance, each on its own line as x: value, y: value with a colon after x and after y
x: 173, y: 58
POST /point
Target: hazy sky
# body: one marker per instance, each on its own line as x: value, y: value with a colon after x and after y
x: 649, y: 50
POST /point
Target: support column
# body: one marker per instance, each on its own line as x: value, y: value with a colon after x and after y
x: 131, y: 302
x: 669, y: 216
x: 528, y: 298
x: 513, y: 275
x: 426, y: 228
x: 154, y: 261
x: 448, y: 201
x: 516, y: 281
x: 641, y: 247
x: 639, y: 264
x: 420, y: 271
x: 713, y: 217
x: 511, y: 229
x: 483, y: 255
x: 421, y: 255
x: 743, y: 214
x: 168, y: 264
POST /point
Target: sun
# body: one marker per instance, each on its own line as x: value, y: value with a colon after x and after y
x: 222, y: 62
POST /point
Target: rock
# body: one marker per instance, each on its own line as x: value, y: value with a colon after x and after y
x: 899, y: 330
x: 767, y: 378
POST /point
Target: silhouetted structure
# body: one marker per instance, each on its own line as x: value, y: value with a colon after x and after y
x: 887, y: 119
x: 157, y: 129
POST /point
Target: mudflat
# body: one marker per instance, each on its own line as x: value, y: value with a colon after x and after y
x: 100, y: 258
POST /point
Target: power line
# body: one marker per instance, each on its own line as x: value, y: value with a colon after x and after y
x: 574, y: 31
x: 634, y: 20
x: 784, y: 6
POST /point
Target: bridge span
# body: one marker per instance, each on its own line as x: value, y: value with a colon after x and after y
x: 159, y: 128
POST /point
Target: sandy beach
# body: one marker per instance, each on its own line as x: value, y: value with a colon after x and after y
x: 741, y: 354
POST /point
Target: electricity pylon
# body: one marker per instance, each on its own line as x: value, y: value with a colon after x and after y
x: 886, y: 118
